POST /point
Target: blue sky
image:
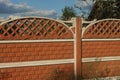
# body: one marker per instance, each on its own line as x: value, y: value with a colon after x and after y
x: 47, y: 4
x: 43, y: 8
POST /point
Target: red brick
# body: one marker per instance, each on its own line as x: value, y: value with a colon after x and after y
x: 39, y: 72
x: 100, y: 48
x: 3, y: 46
x: 101, y: 69
x: 36, y: 51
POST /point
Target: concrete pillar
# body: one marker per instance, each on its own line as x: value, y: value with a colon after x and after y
x: 78, y: 33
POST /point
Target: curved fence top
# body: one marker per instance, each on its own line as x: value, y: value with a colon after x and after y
x: 107, y: 28
x: 34, y: 28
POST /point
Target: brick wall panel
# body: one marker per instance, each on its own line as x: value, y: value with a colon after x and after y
x: 38, y: 72
x: 100, y: 48
x: 16, y: 52
x: 101, y: 69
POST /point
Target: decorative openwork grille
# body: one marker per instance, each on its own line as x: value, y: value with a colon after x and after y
x: 34, y: 28
x: 103, y: 29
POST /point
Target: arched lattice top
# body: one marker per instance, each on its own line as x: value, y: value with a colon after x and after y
x: 103, y: 29
x: 34, y: 28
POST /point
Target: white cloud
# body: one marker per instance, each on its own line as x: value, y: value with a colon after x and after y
x: 85, y: 5
x: 7, y: 7
x: 43, y: 13
x: 1, y: 18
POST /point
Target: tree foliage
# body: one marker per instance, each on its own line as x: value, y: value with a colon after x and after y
x: 68, y: 13
x: 103, y: 9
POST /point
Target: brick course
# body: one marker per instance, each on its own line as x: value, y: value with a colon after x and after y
x: 48, y: 72
x: 18, y: 52
x: 101, y: 69
x: 100, y: 49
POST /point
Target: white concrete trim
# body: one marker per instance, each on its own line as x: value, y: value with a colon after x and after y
x: 97, y: 59
x: 75, y: 69
x: 105, y: 78
x: 115, y: 39
x: 88, y: 22
x: 36, y: 63
x: 30, y: 41
x: 68, y: 21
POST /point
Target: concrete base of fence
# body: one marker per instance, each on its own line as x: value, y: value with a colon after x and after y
x: 105, y: 78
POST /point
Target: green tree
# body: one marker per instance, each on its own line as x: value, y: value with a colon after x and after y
x: 103, y: 9
x: 68, y: 13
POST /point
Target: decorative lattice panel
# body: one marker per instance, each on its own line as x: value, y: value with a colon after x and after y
x: 34, y: 28
x: 103, y: 29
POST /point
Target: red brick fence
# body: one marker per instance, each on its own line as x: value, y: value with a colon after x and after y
x: 45, y: 49
x: 100, y: 49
